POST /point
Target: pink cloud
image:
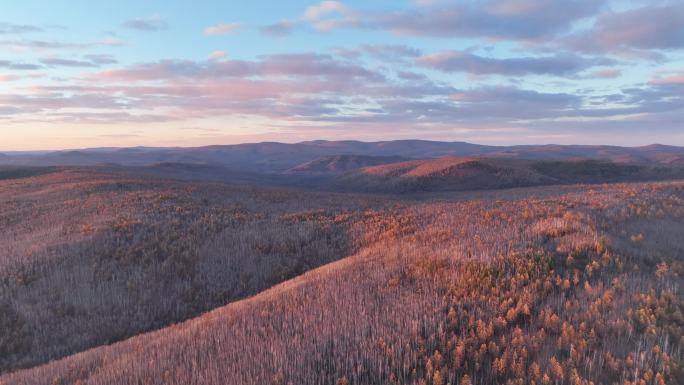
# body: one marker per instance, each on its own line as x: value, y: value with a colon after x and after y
x: 223, y: 29
x: 8, y: 78
x: 610, y: 73
x: 324, y: 8
x: 215, y: 55
x: 328, y: 15
x: 286, y: 65
x: 669, y: 80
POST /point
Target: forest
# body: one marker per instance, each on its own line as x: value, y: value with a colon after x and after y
x: 115, y: 279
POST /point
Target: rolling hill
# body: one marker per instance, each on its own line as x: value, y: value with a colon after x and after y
x: 271, y: 157
x: 203, y: 273
x: 453, y: 174
x: 89, y: 258
x: 578, y: 286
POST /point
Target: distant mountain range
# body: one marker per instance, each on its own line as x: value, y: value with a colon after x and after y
x: 327, y: 156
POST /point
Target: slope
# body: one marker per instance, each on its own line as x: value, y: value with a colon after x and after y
x: 484, y: 292
x: 90, y: 258
x: 453, y: 174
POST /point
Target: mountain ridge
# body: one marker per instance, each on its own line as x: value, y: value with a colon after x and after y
x: 276, y: 157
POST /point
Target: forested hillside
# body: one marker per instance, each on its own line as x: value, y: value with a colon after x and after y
x: 553, y: 285
x: 456, y: 173
x: 90, y: 259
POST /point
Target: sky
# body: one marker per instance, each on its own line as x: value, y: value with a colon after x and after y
x: 83, y: 73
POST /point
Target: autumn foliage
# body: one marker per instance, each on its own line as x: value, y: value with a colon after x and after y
x: 555, y: 285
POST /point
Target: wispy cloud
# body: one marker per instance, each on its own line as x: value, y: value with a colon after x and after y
x: 9, y: 28
x: 8, y: 78
x: 223, y: 29
x: 281, y: 28
x: 495, y: 19
x: 328, y: 15
x: 304, y: 65
x: 609, y: 73
x: 60, y: 62
x: 54, y: 45
x: 148, y: 24
x: 101, y: 59
x: 216, y: 55
x: 19, y: 65
x: 646, y: 28
x: 95, y: 60
x: 673, y: 78
x: 558, y: 65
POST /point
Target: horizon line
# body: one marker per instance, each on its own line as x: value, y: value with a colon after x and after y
x: 2, y: 151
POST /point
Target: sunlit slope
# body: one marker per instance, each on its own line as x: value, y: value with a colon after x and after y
x: 571, y: 288
x: 458, y: 174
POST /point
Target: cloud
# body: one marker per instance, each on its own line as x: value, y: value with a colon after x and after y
x: 223, y: 29
x: 328, y: 15
x: 19, y: 66
x: 610, y: 73
x: 473, y: 107
x: 509, y: 20
x: 646, y: 28
x: 96, y: 60
x: 148, y: 24
x: 9, y: 28
x: 41, y: 44
x: 336, y: 94
x: 111, y: 41
x: 669, y: 79
x: 293, y: 65
x: 324, y: 8
x: 107, y: 117
x: 179, y: 69
x: 52, y: 45
x: 59, y: 100
x: 8, y: 78
x: 314, y: 65
x: 459, y: 61
x: 101, y: 59
x: 215, y: 55
x: 381, y: 88
x: 282, y: 28
x: 525, y: 20
x: 389, y: 52
x: 406, y: 75
x: 59, y: 62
